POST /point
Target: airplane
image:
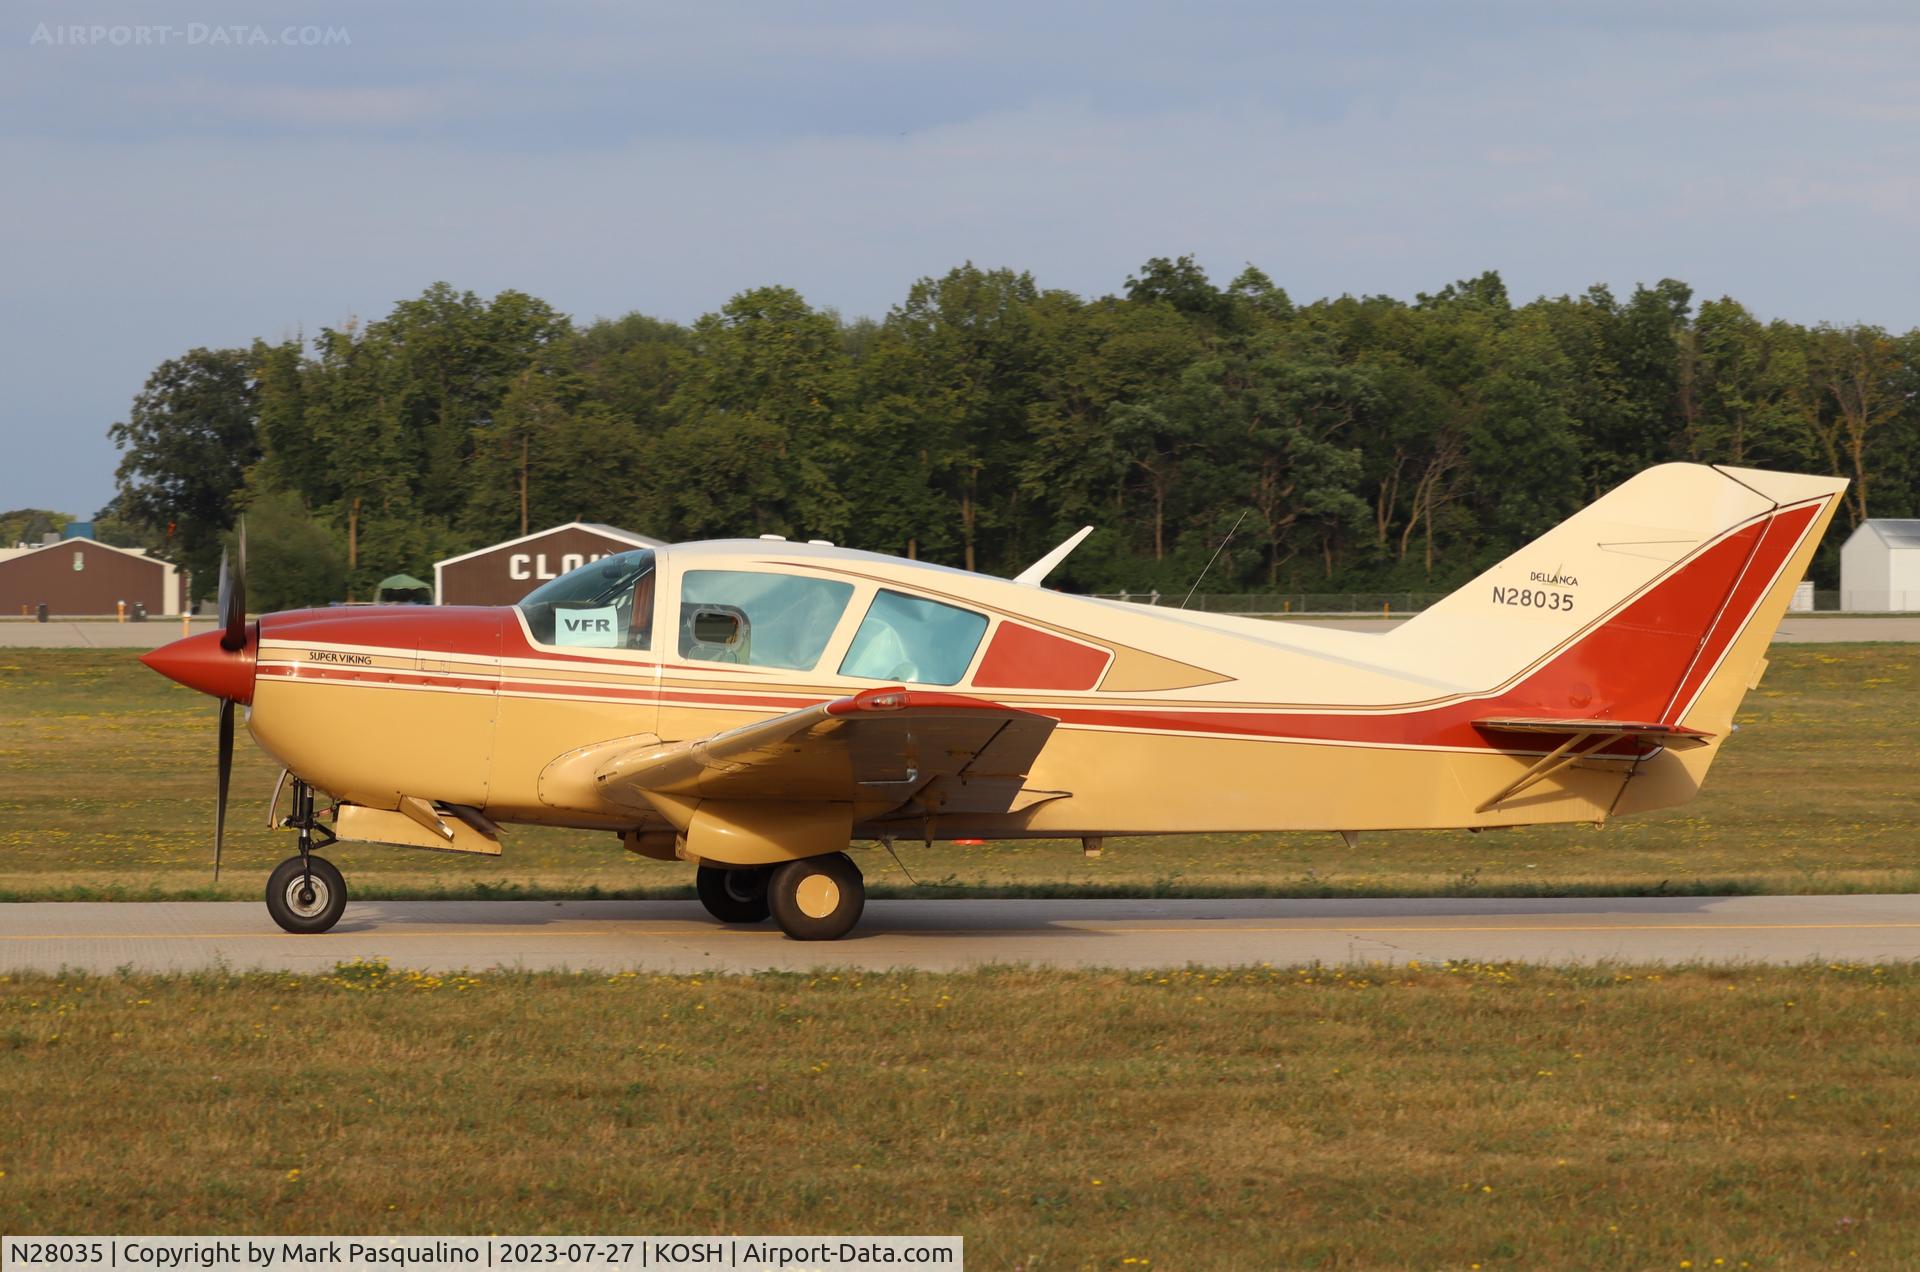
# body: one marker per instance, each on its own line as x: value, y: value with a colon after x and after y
x: 753, y: 706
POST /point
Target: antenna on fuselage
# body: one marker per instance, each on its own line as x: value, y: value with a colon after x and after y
x: 1036, y: 574
x: 1215, y: 557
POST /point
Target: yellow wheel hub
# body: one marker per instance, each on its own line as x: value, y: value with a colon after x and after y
x: 817, y: 896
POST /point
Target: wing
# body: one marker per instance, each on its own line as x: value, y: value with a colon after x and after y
x: 879, y: 750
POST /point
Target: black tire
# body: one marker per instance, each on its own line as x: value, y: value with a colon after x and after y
x: 817, y: 898
x: 734, y: 896
x: 308, y: 914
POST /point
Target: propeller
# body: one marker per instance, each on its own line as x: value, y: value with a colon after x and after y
x: 233, y: 594
x: 220, y: 664
x: 233, y: 619
x: 226, y: 776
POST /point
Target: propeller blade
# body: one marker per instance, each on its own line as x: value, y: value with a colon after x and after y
x: 225, y: 594
x: 233, y: 599
x: 226, y: 773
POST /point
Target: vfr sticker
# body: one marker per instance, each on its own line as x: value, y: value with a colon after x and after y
x: 595, y: 627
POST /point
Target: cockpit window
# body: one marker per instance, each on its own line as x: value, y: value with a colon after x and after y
x: 913, y: 641
x: 606, y: 604
x: 763, y: 620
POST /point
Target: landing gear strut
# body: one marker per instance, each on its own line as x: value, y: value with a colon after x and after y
x: 305, y: 894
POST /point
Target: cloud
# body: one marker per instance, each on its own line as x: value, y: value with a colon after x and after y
x: 662, y: 161
x: 1518, y: 156
x: 265, y: 106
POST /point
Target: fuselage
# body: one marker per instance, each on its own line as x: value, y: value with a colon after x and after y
x: 1168, y: 722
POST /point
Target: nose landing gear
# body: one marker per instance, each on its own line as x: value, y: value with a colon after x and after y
x: 306, y: 894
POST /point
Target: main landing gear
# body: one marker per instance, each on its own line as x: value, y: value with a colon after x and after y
x: 738, y: 895
x: 813, y: 899
x: 305, y: 894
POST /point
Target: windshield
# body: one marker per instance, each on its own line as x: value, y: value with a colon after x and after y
x: 606, y: 604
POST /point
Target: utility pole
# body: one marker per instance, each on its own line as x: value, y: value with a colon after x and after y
x: 353, y: 543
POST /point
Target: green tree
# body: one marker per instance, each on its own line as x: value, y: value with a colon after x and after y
x: 757, y: 440
x: 30, y: 525
x: 1372, y: 442
x: 1743, y: 390
x: 960, y: 350
x: 1863, y: 383
x: 187, y: 444
x: 1100, y: 445
x: 293, y: 560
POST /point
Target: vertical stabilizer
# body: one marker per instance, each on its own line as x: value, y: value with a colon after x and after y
x: 1628, y: 608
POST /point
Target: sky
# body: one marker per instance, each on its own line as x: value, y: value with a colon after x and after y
x: 179, y: 173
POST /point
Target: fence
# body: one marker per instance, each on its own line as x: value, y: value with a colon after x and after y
x: 1863, y: 601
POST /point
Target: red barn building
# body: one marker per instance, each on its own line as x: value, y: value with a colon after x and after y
x: 73, y: 577
x: 505, y: 572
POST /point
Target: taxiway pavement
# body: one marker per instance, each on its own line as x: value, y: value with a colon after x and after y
x: 945, y: 935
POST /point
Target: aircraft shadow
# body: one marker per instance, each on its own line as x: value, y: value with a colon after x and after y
x: 1001, y: 917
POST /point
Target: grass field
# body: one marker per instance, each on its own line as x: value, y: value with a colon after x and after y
x: 1455, y: 1117
x: 106, y: 790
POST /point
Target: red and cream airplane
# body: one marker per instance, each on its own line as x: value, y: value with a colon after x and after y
x: 753, y: 706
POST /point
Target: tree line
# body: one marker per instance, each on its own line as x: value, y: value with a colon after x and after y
x: 1360, y: 443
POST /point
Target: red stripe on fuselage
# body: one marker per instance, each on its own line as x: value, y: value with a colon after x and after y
x: 1655, y: 652
x: 509, y: 684
x: 457, y: 629
x: 1625, y: 669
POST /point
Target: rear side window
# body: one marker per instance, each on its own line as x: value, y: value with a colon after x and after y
x: 913, y: 641
x: 762, y: 620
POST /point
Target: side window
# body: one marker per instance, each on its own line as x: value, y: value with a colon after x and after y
x: 763, y: 620
x: 907, y: 639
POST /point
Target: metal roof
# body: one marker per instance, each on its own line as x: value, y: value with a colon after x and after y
x: 612, y: 532
x: 1896, y: 532
x: 642, y: 539
x: 20, y: 550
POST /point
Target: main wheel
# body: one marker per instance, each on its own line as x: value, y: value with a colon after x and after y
x: 302, y: 905
x: 734, y: 896
x: 817, y: 898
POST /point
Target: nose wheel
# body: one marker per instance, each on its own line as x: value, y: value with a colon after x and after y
x: 817, y: 898
x: 306, y: 894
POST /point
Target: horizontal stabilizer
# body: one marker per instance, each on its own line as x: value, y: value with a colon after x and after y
x: 1669, y: 734
x: 1585, y: 740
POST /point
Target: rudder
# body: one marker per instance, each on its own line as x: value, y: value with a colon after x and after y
x: 1629, y: 608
